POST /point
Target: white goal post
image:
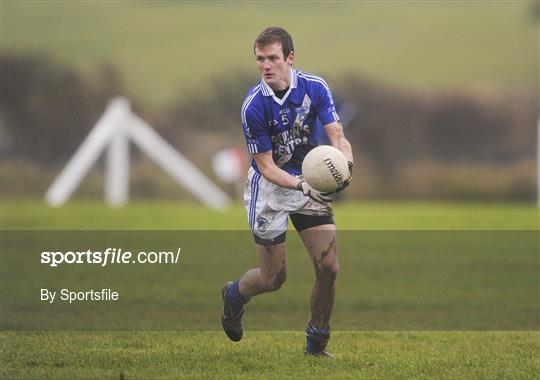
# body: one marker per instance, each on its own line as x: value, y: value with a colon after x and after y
x: 113, y: 131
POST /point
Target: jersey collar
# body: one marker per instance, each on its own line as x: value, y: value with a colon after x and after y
x: 267, y: 90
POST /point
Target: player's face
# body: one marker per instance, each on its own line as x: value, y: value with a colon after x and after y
x: 275, y: 70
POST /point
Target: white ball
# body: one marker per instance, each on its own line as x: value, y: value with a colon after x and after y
x: 325, y: 168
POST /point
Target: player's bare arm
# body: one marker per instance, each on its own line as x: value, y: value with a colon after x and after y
x: 273, y: 173
x: 338, y: 140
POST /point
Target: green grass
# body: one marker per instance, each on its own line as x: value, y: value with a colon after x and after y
x: 399, y: 280
x: 23, y: 214
x: 167, y: 50
x: 275, y: 355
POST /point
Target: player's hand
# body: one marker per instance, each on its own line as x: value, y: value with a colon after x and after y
x: 309, y: 191
x: 348, y: 180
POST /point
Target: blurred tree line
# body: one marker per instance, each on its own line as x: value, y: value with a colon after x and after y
x: 445, y: 145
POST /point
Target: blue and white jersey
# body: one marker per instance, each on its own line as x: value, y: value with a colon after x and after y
x: 286, y: 126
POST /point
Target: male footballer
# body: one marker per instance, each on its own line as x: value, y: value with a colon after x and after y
x: 278, y: 117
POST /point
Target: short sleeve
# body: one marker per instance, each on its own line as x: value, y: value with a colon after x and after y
x: 325, y: 107
x: 255, y: 132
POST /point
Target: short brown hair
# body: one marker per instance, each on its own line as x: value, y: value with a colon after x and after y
x: 275, y: 34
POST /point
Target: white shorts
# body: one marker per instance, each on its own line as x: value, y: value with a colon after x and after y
x: 268, y: 206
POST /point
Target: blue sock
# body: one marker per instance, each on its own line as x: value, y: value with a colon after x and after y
x: 235, y: 298
x: 317, y: 338
x: 316, y: 330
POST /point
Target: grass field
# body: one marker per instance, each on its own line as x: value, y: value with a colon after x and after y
x: 169, y: 50
x: 34, y: 214
x: 276, y: 355
x: 407, y: 268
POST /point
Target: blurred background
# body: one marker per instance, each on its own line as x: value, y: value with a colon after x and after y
x: 439, y: 99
